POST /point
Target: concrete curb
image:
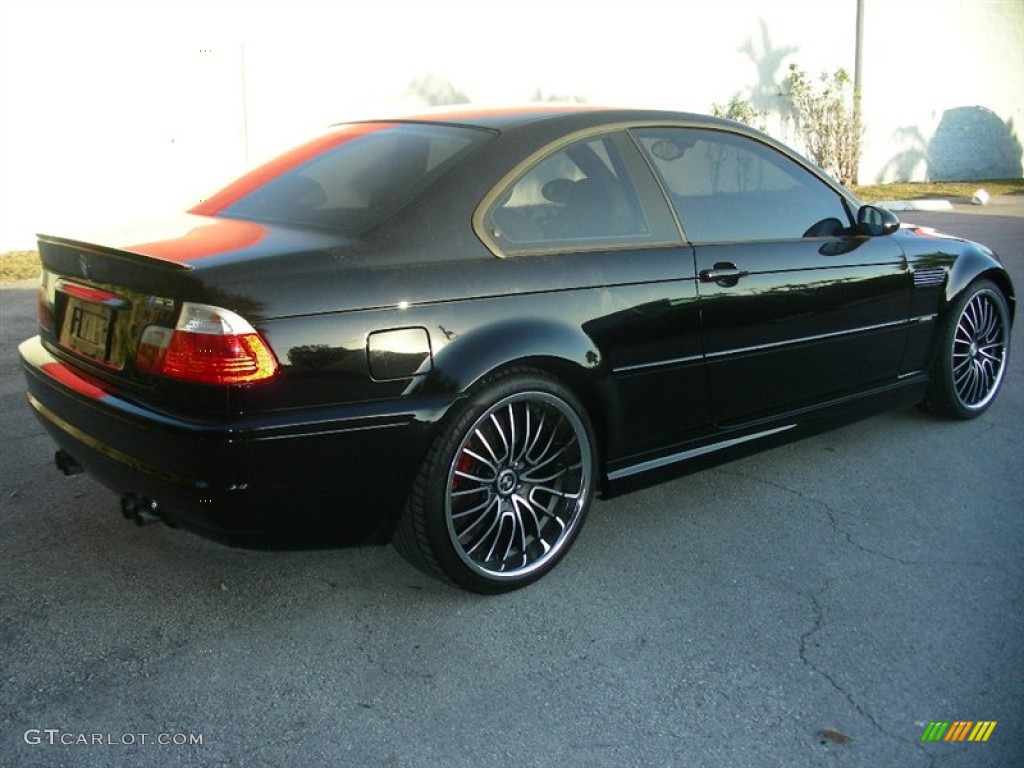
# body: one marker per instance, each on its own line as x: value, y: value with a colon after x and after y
x: 915, y: 205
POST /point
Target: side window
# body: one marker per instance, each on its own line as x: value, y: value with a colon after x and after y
x: 728, y: 188
x: 579, y: 197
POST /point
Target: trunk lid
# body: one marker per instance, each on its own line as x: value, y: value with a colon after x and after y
x: 98, y: 295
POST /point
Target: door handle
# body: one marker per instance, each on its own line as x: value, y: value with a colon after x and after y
x: 724, y: 273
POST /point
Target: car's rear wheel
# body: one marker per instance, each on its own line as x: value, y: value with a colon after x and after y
x: 972, y: 356
x: 505, y: 487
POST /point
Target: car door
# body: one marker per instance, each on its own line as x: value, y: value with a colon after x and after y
x: 588, y: 219
x: 796, y: 308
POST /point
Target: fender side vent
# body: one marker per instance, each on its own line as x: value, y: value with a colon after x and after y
x: 933, y: 276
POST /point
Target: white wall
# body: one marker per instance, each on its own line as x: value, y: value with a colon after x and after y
x: 115, y: 109
x: 926, y: 58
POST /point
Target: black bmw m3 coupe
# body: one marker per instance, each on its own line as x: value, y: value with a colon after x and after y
x: 453, y: 332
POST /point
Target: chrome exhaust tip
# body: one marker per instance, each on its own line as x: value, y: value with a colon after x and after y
x: 140, y: 509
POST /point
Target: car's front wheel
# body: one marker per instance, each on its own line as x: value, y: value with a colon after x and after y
x: 505, y: 487
x: 972, y: 355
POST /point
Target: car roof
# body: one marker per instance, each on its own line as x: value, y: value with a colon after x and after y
x: 581, y: 115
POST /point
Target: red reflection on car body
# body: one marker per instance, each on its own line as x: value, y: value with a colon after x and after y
x: 209, y: 239
x: 257, y: 177
x: 73, y: 380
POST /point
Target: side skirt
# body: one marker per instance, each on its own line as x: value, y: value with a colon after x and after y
x: 733, y: 442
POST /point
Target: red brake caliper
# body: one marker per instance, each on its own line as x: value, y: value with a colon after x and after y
x: 462, y: 464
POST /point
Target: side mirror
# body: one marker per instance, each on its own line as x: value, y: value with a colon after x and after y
x: 873, y: 221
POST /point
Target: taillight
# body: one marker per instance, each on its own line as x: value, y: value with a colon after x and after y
x: 209, y: 345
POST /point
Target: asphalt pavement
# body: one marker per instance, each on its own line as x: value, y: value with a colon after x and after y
x: 819, y: 604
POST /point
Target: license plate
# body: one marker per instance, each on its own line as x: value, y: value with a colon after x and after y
x: 86, y: 328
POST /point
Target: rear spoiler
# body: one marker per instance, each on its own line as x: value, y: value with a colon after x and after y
x: 64, y: 259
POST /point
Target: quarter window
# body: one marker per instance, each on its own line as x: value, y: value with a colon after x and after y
x: 728, y: 188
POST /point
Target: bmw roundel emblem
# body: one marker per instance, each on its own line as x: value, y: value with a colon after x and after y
x: 83, y: 263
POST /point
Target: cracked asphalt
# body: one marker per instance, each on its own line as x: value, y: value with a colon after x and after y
x: 817, y: 604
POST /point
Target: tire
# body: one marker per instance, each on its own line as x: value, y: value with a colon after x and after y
x: 505, y: 487
x: 972, y: 354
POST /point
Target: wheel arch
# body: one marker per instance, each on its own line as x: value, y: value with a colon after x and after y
x: 1003, y: 282
x: 588, y: 389
x: 975, y: 264
x: 464, y: 360
x: 557, y: 349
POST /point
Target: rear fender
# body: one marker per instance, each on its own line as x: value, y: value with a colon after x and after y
x: 464, y: 360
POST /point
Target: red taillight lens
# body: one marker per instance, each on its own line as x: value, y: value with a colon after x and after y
x: 212, y: 359
x: 209, y: 345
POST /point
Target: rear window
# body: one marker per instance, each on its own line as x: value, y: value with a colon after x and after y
x: 353, y: 179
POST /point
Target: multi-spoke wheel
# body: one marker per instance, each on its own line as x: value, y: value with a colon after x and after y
x: 972, y: 357
x: 505, y: 487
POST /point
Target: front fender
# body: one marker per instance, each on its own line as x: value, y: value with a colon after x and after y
x: 973, y: 262
x: 963, y: 261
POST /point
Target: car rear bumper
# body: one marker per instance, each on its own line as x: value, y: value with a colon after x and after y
x: 303, y: 478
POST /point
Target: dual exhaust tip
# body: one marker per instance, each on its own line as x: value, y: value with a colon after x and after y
x: 142, y: 510
x: 67, y: 464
